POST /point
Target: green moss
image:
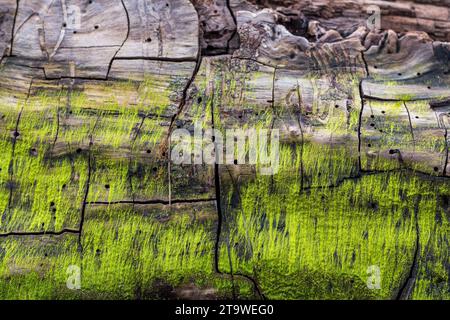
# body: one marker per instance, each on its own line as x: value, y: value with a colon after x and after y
x: 310, y: 232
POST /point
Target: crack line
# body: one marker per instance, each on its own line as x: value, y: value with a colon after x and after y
x: 153, y: 201
x: 235, y: 31
x: 13, y: 28
x: 39, y: 233
x: 13, y: 152
x: 123, y: 43
x: 220, y: 215
x: 361, y: 95
x: 406, y: 289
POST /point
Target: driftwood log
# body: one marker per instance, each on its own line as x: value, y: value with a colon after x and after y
x: 117, y: 77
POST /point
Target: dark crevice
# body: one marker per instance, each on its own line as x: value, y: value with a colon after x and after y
x: 363, y: 173
x: 339, y: 183
x: 218, y: 201
x: 235, y: 31
x: 74, y: 78
x: 362, y: 101
x: 164, y: 59
x: 138, y: 131
x: 153, y: 201
x: 254, y: 282
x: 441, y: 124
x: 130, y: 172
x: 87, y: 187
x: 366, y: 65
x: 440, y: 103
x: 184, y: 99
x: 444, y: 171
x: 13, y: 152
x: 361, y: 95
x: 407, y: 287
x: 46, y: 77
x: 57, y: 129
x: 274, y: 116
x: 220, y: 215
x: 11, y: 167
x: 411, y: 127
x: 299, y: 120
x: 13, y: 28
x: 125, y: 40
x: 410, y: 123
x: 130, y: 178
x: 84, y: 204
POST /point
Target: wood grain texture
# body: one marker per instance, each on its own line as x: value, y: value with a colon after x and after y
x: 161, y: 29
x: 7, y: 14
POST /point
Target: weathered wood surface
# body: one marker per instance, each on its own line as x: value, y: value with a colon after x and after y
x: 70, y: 38
x: 87, y: 111
x: 161, y: 29
x: 346, y: 15
x: 217, y: 24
